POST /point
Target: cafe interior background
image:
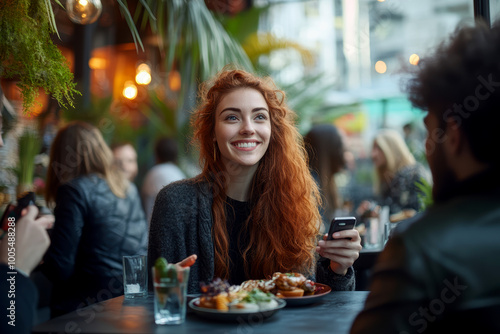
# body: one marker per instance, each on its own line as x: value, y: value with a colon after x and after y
x: 135, y: 70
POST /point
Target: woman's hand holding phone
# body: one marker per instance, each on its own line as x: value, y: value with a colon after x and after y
x: 341, y: 245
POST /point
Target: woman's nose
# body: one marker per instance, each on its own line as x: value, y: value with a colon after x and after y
x: 247, y: 127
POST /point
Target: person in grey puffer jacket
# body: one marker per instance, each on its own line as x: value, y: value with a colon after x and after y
x: 98, y: 220
x: 253, y: 210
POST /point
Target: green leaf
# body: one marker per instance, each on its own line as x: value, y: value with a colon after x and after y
x: 128, y: 18
x: 425, y: 193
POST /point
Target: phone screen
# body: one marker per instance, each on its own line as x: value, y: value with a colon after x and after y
x: 340, y: 224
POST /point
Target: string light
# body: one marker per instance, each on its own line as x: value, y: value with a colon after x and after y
x: 129, y: 90
x: 414, y: 59
x: 380, y: 67
x: 143, y: 76
x: 83, y: 11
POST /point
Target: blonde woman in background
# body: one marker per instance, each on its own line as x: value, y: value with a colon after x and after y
x: 396, y: 173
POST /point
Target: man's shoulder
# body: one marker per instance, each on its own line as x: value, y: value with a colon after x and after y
x: 457, y: 215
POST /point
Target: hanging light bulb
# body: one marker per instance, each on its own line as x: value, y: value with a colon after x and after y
x: 143, y: 76
x: 83, y: 11
x: 129, y: 90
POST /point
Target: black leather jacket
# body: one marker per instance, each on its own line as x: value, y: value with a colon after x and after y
x: 440, y: 272
x: 92, y: 231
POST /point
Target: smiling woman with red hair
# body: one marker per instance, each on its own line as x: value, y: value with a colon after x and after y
x: 254, y: 208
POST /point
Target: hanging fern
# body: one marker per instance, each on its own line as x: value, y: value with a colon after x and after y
x: 28, y: 55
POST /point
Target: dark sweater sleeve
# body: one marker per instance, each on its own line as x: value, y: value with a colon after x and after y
x: 59, y: 261
x: 166, y: 232
x: 25, y: 300
x: 337, y: 282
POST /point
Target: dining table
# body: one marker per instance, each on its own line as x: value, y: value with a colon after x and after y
x: 334, y: 313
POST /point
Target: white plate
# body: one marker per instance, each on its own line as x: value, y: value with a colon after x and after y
x: 213, y: 314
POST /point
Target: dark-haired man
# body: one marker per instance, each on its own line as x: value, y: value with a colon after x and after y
x: 440, y: 272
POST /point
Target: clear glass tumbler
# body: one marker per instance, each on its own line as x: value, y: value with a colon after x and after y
x: 170, y: 294
x: 135, y: 276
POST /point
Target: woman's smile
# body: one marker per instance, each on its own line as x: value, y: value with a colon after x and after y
x: 245, y: 145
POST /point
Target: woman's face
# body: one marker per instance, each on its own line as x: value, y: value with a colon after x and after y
x: 378, y: 156
x: 242, y: 127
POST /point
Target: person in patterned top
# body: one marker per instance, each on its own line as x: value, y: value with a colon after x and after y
x: 397, y: 172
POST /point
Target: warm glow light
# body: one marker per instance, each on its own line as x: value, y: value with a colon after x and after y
x: 414, y: 58
x: 143, y: 76
x: 143, y: 68
x: 380, y: 67
x: 381, y: 0
x: 174, y: 81
x: 83, y: 11
x: 96, y: 63
x: 130, y: 90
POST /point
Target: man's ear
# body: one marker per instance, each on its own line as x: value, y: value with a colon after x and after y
x: 455, y: 142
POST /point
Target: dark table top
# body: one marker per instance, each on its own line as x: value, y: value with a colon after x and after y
x: 333, y: 314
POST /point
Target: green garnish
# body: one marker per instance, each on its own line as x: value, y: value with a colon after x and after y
x: 161, y: 265
x: 256, y: 296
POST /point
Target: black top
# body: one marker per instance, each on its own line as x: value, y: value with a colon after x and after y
x: 236, y: 214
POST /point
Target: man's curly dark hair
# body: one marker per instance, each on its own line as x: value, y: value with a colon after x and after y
x: 461, y: 81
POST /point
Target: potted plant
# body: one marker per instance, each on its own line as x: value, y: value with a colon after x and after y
x: 29, y: 147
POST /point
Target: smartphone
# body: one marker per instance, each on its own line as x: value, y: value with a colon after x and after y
x: 13, y: 212
x: 340, y: 224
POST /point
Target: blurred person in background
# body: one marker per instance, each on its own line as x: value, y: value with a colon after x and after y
x: 98, y: 220
x: 164, y: 172
x: 439, y: 271
x: 126, y: 158
x: 325, y: 150
x: 396, y: 175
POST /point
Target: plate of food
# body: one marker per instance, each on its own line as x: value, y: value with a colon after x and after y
x: 294, y: 288
x: 221, y: 302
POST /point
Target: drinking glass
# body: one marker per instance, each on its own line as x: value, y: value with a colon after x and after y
x: 170, y: 296
x: 135, y: 276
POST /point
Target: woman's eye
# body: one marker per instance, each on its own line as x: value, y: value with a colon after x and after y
x: 261, y: 117
x: 231, y: 118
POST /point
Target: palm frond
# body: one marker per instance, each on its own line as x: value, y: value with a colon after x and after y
x: 194, y: 42
x: 50, y: 14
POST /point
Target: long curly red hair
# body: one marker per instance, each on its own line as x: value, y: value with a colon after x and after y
x: 284, y: 222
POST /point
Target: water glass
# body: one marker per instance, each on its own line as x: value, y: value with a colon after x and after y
x: 170, y: 297
x: 135, y: 276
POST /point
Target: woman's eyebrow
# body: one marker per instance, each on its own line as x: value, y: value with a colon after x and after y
x: 230, y: 109
x: 239, y: 110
